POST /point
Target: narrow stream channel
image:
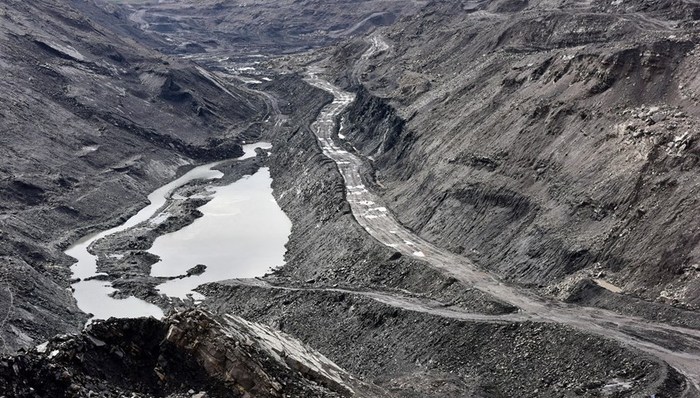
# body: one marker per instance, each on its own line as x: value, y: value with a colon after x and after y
x: 242, y: 234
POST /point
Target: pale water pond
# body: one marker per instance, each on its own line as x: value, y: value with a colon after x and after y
x: 241, y: 234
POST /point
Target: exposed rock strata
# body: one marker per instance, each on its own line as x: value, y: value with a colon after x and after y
x: 542, y: 142
x: 327, y: 247
x: 414, y: 354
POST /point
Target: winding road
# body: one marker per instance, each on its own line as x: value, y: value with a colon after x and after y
x: 679, y: 347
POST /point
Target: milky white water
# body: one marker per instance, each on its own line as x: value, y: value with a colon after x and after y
x: 241, y: 234
x: 93, y: 296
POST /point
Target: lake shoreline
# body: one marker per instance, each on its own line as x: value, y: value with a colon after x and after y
x: 120, y: 282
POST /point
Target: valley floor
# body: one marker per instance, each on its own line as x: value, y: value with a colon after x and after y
x: 366, y: 304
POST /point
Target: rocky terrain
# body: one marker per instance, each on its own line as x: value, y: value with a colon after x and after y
x: 536, y: 159
x: 256, y: 28
x: 550, y: 141
x: 91, y: 123
x: 327, y: 247
x: 419, y: 354
x: 191, y: 354
x: 123, y: 258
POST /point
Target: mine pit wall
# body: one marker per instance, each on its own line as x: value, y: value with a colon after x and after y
x: 35, y: 276
x: 85, y: 144
x: 540, y: 189
x: 417, y: 355
x: 34, y: 283
x: 327, y: 246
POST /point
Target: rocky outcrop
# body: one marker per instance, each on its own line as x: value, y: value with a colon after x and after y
x: 287, y: 26
x: 91, y: 123
x: 188, y: 354
x: 327, y: 247
x: 399, y: 324
x: 489, y: 125
x: 419, y: 354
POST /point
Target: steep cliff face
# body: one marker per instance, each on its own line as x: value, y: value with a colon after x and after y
x: 549, y: 141
x: 91, y: 122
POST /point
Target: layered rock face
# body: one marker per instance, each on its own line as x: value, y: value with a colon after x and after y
x: 540, y: 138
x: 551, y: 141
x: 427, y: 354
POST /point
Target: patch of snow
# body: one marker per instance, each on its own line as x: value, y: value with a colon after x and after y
x: 87, y: 149
x: 617, y: 384
x: 248, y: 80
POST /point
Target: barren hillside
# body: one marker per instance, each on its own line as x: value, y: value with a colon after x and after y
x: 551, y: 142
x: 91, y: 122
x: 494, y: 198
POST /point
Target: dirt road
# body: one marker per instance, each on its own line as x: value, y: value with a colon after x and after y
x: 680, y: 347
